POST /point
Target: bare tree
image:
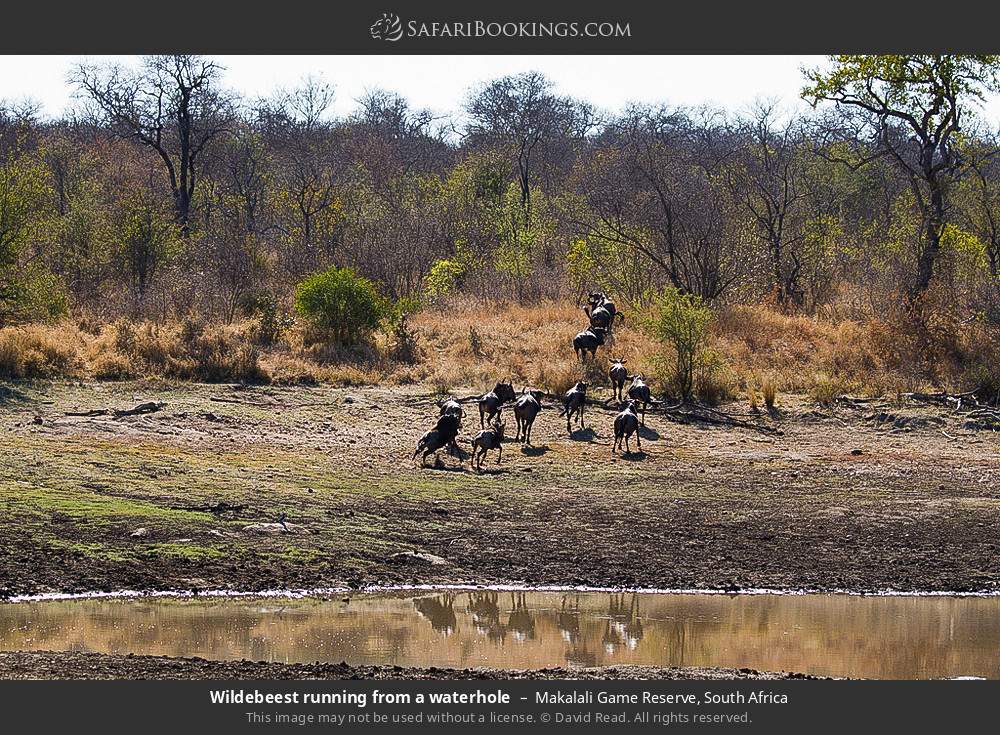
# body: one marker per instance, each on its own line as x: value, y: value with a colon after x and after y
x: 521, y: 116
x: 171, y: 105
x: 651, y: 185
x: 767, y: 177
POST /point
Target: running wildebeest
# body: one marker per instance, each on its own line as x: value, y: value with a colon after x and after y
x: 441, y: 436
x: 525, y: 410
x: 618, y: 375
x: 627, y: 424
x: 588, y: 341
x: 602, y: 312
x: 451, y: 407
x: 639, y: 392
x: 573, y: 403
x: 490, y: 403
x: 485, y: 440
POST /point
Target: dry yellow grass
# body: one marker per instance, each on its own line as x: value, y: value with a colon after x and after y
x: 752, y: 351
x: 38, y: 351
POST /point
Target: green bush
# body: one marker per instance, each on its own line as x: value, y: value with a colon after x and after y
x: 31, y: 294
x: 344, y: 305
x: 681, y: 321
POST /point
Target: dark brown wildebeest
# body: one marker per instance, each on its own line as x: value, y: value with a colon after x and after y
x: 490, y: 403
x: 573, y: 403
x: 526, y: 408
x: 618, y: 375
x: 485, y: 440
x: 627, y: 424
x: 588, y: 341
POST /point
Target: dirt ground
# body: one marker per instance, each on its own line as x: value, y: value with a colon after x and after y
x: 190, y: 497
x: 78, y: 665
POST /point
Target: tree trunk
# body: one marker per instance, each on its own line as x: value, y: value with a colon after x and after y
x: 932, y: 239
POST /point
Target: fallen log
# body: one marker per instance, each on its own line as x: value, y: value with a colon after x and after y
x: 142, y: 408
x: 693, y: 413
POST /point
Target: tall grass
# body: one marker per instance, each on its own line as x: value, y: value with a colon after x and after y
x: 469, y: 346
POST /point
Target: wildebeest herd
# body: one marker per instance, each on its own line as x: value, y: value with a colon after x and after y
x: 602, y: 314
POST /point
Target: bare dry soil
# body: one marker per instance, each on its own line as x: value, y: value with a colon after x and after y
x: 228, y: 487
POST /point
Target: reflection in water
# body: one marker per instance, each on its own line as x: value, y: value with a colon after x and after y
x: 440, y: 611
x: 878, y: 637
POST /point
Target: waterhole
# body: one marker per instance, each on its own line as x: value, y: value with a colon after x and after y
x: 835, y: 635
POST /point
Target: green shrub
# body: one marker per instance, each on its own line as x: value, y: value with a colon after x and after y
x: 344, y: 305
x: 680, y: 322
x: 444, y: 277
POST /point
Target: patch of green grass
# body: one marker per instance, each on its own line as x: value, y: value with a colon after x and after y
x: 82, y: 505
x: 299, y: 555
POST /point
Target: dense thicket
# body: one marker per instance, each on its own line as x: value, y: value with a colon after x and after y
x: 165, y: 196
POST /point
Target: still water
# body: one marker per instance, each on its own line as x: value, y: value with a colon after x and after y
x: 839, y: 635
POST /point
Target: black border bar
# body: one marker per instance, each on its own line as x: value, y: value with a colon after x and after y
x: 336, y: 27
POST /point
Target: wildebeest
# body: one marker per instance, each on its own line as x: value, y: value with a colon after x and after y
x: 451, y: 407
x: 588, y: 341
x: 485, y: 440
x: 490, y: 403
x: 627, y: 424
x: 639, y: 392
x: 618, y: 375
x: 602, y: 311
x: 526, y: 408
x: 441, y: 436
x: 573, y: 403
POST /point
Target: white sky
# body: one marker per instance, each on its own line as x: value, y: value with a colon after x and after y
x: 441, y: 83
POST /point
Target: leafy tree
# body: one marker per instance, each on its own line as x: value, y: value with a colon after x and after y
x: 911, y: 108
x: 24, y: 194
x: 147, y: 238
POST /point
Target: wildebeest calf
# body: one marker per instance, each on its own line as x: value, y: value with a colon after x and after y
x: 525, y: 410
x: 627, y: 424
x: 618, y: 375
x: 573, y: 403
x: 588, y: 341
x: 639, y: 392
x: 441, y: 436
x: 490, y: 403
x: 485, y: 440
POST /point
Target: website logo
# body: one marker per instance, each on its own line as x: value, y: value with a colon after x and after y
x: 387, y: 28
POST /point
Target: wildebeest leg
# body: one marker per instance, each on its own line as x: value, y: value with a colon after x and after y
x: 638, y: 441
x: 582, y: 425
x: 527, y: 435
x: 499, y: 453
x: 482, y: 423
x: 643, y: 414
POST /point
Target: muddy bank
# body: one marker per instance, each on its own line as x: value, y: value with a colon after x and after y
x: 50, y: 665
x: 284, y: 488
